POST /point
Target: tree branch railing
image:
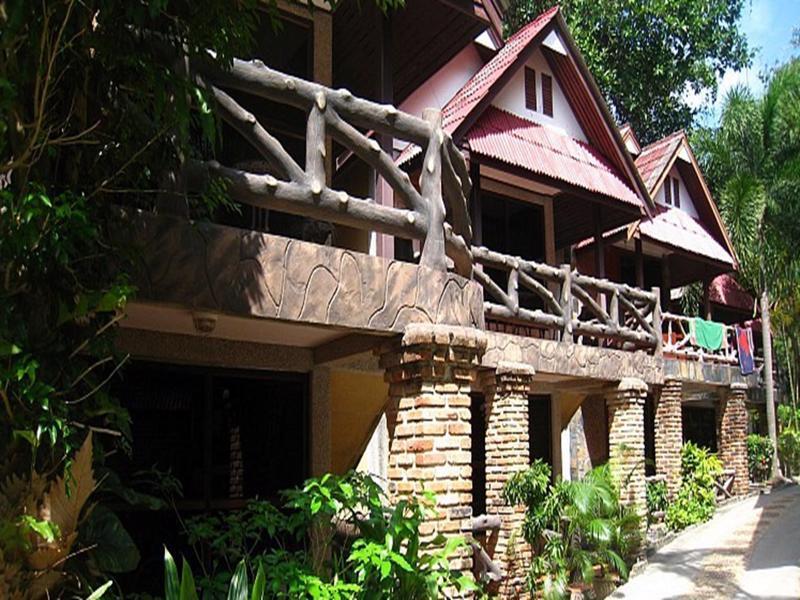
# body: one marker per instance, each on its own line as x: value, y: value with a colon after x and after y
x: 573, y: 305
x: 444, y: 181
x: 678, y: 341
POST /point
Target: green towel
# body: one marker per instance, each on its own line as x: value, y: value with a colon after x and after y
x: 708, y: 334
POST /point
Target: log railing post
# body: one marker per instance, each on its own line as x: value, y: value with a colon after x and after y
x: 433, y: 250
x: 657, y: 321
x: 315, y: 145
x: 566, y: 303
x: 513, y: 286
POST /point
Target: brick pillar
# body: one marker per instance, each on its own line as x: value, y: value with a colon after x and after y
x: 430, y: 374
x: 625, y: 406
x: 669, y: 434
x: 507, y: 452
x: 732, y: 435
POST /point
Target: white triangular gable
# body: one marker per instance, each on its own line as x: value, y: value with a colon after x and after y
x: 512, y: 97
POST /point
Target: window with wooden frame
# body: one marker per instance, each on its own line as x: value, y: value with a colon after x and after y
x: 676, y: 193
x: 668, y: 191
x: 547, y: 95
x: 530, y: 89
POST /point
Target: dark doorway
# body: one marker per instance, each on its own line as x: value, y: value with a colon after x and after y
x: 700, y: 426
x: 515, y: 228
x: 224, y: 436
x: 539, y: 428
x: 650, y: 436
x: 478, y: 421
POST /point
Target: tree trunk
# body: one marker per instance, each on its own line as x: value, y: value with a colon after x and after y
x: 768, y: 382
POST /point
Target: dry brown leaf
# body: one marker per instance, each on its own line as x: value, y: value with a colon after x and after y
x: 65, y: 506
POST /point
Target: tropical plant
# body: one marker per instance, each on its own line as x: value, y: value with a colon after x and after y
x: 759, y: 456
x: 573, y: 527
x: 696, y: 500
x: 334, y: 537
x: 657, y: 501
x: 752, y: 163
x: 650, y: 57
x: 789, y: 438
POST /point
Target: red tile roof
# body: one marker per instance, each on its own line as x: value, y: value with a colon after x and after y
x: 460, y: 105
x: 522, y: 143
x: 725, y: 290
x: 674, y: 227
x: 654, y: 158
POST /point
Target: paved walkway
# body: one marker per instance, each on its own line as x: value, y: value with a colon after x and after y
x: 750, y: 549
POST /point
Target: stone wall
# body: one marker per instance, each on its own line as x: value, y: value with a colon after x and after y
x: 218, y: 268
x: 575, y: 360
x: 588, y: 432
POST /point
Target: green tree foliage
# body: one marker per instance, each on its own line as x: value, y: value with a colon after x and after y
x: 573, y: 527
x: 789, y: 439
x: 696, y: 500
x: 752, y: 162
x: 351, y: 546
x: 96, y: 109
x: 648, y: 57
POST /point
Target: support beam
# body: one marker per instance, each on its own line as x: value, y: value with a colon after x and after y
x: 639, y: 262
x: 732, y: 435
x: 507, y: 453
x: 669, y: 433
x: 430, y: 373
x: 625, y: 407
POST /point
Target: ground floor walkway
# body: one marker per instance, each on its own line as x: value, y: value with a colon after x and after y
x: 750, y: 549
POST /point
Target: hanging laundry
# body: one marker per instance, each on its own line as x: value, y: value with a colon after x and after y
x: 744, y: 347
x: 708, y: 334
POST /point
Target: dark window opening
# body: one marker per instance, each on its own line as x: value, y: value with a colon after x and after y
x: 676, y: 192
x: 478, y: 421
x: 651, y: 268
x: 547, y: 95
x: 225, y: 435
x: 540, y: 429
x: 530, y: 89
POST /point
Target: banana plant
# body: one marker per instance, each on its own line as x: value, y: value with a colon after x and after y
x: 182, y: 587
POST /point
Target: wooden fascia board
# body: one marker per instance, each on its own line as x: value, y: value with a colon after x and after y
x: 610, y: 124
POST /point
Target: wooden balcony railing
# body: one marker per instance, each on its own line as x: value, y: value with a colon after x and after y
x: 573, y: 305
x: 444, y: 182
x: 678, y: 341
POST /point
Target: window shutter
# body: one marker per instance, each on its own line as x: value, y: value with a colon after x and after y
x: 547, y: 95
x: 668, y: 190
x: 530, y: 89
x: 676, y: 193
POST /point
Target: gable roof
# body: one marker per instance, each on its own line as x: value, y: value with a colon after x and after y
x: 502, y: 136
x: 456, y: 112
x: 726, y: 291
x: 572, y: 74
x: 628, y: 135
x: 656, y: 161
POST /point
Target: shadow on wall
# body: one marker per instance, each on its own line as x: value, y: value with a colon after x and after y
x: 588, y: 433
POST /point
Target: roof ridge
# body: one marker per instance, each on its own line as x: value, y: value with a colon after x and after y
x: 666, y: 139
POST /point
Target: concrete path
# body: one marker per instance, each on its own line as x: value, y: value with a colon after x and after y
x: 750, y: 549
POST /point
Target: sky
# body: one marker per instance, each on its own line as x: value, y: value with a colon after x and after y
x: 768, y: 25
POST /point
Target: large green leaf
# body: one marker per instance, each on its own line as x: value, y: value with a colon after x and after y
x: 114, y: 550
x: 239, y: 583
x: 172, y: 583
x: 259, y: 584
x: 188, y: 588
